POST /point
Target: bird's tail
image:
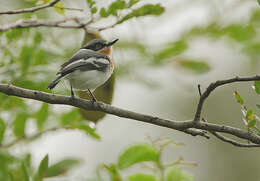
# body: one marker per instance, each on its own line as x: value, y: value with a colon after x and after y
x: 54, y: 83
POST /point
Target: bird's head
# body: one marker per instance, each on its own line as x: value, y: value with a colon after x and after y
x: 100, y: 45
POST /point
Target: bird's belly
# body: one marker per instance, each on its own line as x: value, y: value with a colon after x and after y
x: 83, y: 80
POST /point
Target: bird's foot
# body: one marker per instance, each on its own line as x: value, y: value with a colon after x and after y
x: 93, y: 100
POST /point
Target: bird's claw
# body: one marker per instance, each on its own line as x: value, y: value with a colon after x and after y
x: 93, y: 100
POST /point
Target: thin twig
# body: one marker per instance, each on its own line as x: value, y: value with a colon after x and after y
x: 44, y: 23
x: 72, y: 9
x: 233, y: 142
x: 24, y: 138
x: 27, y: 10
x: 179, y: 161
x: 229, y: 140
x: 107, y: 27
x: 199, y: 89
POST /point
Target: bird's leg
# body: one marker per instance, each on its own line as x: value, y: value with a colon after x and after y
x: 93, y: 97
x: 71, y: 92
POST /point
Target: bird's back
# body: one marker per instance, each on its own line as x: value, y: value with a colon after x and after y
x: 84, y: 54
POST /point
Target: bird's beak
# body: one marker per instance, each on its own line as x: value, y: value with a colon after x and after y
x: 112, y: 42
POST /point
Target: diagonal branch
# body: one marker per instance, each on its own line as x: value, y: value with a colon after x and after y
x: 18, y: 11
x: 213, y: 86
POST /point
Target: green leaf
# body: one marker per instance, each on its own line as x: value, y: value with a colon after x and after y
x: 137, y: 153
x: 30, y: 84
x: 46, y: 1
x: 19, y: 124
x: 40, y: 57
x: 88, y: 130
x: 37, y: 38
x: 25, y: 174
x: 176, y: 174
x: 91, y: 3
x: 59, y: 7
x: 148, y: 9
x: 7, y: 162
x: 14, y: 34
x: 115, y: 6
x: 25, y: 57
x: 113, y: 172
x: 8, y: 103
x: 240, y: 33
x: 27, y: 161
x: 251, y: 123
x: 195, y: 66
x: 93, y: 10
x: 249, y: 114
x: 74, y: 119
x: 141, y: 177
x: 132, y: 2
x: 255, y: 17
x: 42, y: 115
x: 2, y: 130
x: 61, y: 167
x: 172, y: 49
x: 238, y: 98
x: 71, y: 118
x: 252, y: 49
x: 257, y: 87
x: 43, y: 167
x: 103, y: 13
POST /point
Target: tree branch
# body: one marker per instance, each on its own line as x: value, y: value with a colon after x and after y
x: 229, y: 140
x: 233, y: 142
x: 40, y: 23
x: 190, y: 127
x: 213, y: 86
x: 97, y: 106
x: 18, y: 11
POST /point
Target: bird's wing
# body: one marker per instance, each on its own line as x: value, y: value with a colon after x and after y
x: 92, y: 63
x: 83, y: 54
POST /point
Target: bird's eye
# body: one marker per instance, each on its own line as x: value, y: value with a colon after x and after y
x: 98, y: 46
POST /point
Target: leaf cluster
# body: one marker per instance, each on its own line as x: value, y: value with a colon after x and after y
x: 249, y: 118
x: 119, y: 7
x: 147, y: 156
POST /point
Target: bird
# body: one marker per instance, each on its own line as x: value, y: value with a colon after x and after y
x: 88, y: 68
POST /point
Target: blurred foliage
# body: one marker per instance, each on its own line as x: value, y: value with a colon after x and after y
x: 149, y: 157
x: 195, y: 66
x: 21, y: 169
x: 137, y: 153
x: 114, y: 8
